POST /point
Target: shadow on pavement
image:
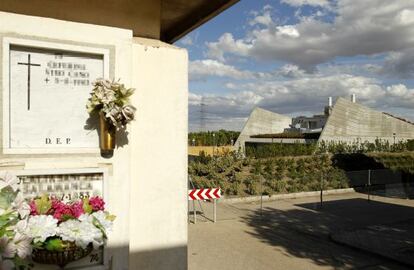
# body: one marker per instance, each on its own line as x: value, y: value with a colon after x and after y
x: 305, y: 231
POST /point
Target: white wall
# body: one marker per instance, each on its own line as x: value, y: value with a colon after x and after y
x: 159, y: 157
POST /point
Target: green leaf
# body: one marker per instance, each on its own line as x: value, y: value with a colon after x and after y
x: 67, y: 217
x: 54, y: 244
x: 7, y: 196
x: 100, y: 227
x: 43, y: 205
x: 22, y: 264
x: 86, y: 206
x: 38, y: 245
x: 110, y: 217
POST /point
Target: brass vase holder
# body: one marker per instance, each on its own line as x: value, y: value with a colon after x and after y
x: 70, y: 254
x: 107, y: 133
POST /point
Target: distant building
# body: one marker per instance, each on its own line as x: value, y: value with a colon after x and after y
x: 346, y: 121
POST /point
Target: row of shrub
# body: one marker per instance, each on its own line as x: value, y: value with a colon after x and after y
x: 213, y: 138
x: 261, y: 150
x: 365, y: 147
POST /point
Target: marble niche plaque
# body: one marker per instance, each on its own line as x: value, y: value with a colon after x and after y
x: 68, y: 187
x: 47, y: 95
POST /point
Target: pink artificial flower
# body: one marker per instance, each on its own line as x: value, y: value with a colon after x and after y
x: 33, y: 209
x: 57, y: 204
x: 63, y: 211
x: 77, y: 209
x: 97, y: 203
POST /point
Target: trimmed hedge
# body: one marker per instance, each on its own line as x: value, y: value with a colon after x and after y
x: 258, y: 150
x: 268, y: 150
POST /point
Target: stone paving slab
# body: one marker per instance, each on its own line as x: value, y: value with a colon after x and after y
x: 394, y: 241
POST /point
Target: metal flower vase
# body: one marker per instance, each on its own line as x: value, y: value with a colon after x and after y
x: 107, y: 134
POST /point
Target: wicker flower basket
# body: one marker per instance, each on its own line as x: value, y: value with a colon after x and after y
x: 61, y: 258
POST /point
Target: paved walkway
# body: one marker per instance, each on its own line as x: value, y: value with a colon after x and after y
x: 293, y: 234
x: 394, y: 241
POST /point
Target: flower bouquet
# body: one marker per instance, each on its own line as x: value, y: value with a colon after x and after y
x: 111, y: 100
x: 15, y: 246
x: 65, y: 232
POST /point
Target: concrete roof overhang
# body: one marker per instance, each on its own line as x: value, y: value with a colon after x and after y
x: 182, y: 16
x: 167, y: 20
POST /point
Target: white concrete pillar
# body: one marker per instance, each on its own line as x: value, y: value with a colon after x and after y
x: 158, y: 139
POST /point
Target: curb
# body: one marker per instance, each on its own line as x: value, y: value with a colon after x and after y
x: 286, y: 196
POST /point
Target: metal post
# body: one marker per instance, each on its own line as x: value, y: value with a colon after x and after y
x: 321, y: 190
x: 261, y: 197
x: 369, y: 185
x: 194, y: 212
x: 215, y: 211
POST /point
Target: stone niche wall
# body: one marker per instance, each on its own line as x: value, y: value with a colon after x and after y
x: 146, y: 178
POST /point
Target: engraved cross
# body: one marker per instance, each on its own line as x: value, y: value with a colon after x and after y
x: 29, y: 65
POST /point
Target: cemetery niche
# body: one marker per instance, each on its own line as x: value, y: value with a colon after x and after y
x: 49, y: 85
x: 63, y: 194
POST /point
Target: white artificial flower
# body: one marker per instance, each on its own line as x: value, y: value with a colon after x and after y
x: 109, y: 97
x: 106, y: 83
x: 41, y: 227
x: 81, y: 232
x: 101, y: 216
x: 86, y: 218
x: 128, y: 112
x: 99, y: 92
x: 21, y: 205
x: 8, y: 179
x: 21, y: 226
x: 22, y: 244
x: 6, y: 249
x: 113, y: 113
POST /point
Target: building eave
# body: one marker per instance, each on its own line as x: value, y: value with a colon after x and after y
x: 195, y: 18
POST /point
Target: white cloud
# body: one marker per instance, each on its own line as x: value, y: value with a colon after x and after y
x: 399, y: 64
x: 228, y: 44
x: 262, y: 19
x: 298, y: 3
x: 200, y: 69
x: 186, y: 41
x: 291, y: 71
x: 360, y: 28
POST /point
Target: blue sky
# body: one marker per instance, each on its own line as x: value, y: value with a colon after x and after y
x: 289, y: 56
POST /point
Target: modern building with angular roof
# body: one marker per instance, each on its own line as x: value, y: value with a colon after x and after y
x: 262, y: 121
x: 350, y: 121
x: 346, y: 121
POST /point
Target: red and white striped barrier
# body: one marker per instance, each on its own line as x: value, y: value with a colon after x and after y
x: 204, y: 194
